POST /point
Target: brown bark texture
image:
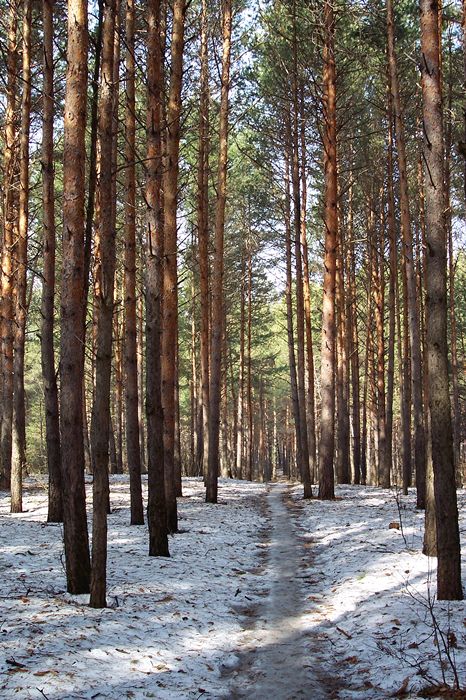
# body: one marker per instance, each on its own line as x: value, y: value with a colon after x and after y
x: 327, y: 425
x: 52, y: 423
x: 156, y: 509
x: 213, y: 466
x: 446, y: 510
x: 72, y: 304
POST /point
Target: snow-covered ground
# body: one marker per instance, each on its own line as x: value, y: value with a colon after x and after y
x: 177, y: 627
x: 371, y: 594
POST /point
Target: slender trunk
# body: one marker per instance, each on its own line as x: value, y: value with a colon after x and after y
x: 100, y: 423
x: 249, y: 410
x: 72, y: 304
x: 384, y: 465
x: 354, y: 341
x: 343, y: 435
x: 52, y: 423
x: 300, y: 330
x: 18, y: 462
x: 456, y: 410
x: 391, y: 287
x: 289, y: 316
x: 412, y: 308
x: 133, y: 448
x: 446, y: 510
x: 118, y: 334
x: 141, y: 382
x: 10, y: 168
x: 156, y: 508
x: 170, y: 279
x: 240, y: 415
x: 217, y: 277
x: 203, y: 232
x: 327, y: 434
x: 310, y: 396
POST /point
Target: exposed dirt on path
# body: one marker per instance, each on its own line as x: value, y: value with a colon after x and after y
x: 281, y: 658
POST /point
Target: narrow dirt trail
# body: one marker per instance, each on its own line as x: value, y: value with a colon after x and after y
x: 281, y: 658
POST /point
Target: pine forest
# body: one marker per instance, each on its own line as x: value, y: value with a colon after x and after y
x: 232, y: 349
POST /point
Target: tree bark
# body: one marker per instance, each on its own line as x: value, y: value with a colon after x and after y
x: 203, y: 232
x: 170, y: 280
x: 10, y: 203
x: 446, y: 510
x: 391, y: 286
x: 157, y: 509
x: 133, y: 448
x: 327, y: 428
x: 52, y: 423
x: 18, y: 461
x: 217, y: 275
x: 100, y: 425
x: 413, y: 313
x: 310, y: 396
x: 300, y: 330
x: 289, y: 316
x: 72, y: 304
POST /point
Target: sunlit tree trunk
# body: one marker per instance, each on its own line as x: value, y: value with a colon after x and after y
x: 327, y: 429
x: 72, y: 304
x: 310, y: 396
x: 446, y: 510
x: 10, y: 212
x: 18, y: 462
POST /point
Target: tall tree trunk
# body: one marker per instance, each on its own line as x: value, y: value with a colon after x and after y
x: 327, y: 434
x: 249, y: 409
x: 10, y: 203
x: 156, y: 509
x: 310, y: 396
x: 456, y: 410
x: 240, y: 413
x: 72, y: 304
x: 170, y: 280
x: 217, y: 276
x: 203, y: 232
x: 343, y: 434
x: 289, y: 316
x: 52, y: 423
x: 413, y: 313
x: 100, y: 425
x: 300, y: 331
x: 141, y: 382
x: 133, y: 448
x: 391, y: 287
x: 18, y: 462
x: 92, y: 211
x: 353, y: 339
x: 384, y: 465
x: 446, y: 510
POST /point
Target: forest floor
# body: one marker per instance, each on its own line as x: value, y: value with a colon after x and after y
x: 265, y: 596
